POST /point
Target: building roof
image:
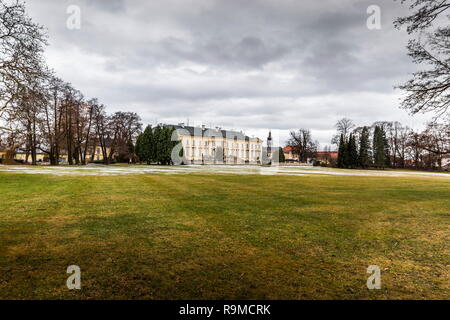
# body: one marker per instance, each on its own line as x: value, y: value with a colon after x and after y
x: 332, y: 154
x: 209, y: 132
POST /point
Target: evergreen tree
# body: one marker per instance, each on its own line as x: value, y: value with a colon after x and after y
x: 375, y: 143
x: 139, y: 146
x: 143, y: 145
x: 342, y: 152
x: 387, y: 153
x: 167, y: 146
x: 281, y: 157
x: 158, y: 145
x: 352, y: 152
x: 380, y: 148
x: 150, y: 140
x: 155, y: 145
x: 364, y: 157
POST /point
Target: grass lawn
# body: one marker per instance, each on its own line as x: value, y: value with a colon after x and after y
x: 219, y: 236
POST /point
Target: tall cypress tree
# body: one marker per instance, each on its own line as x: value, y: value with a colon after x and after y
x: 342, y: 153
x: 376, y: 135
x: 281, y: 157
x: 157, y: 145
x: 386, y: 150
x: 139, y: 146
x: 363, y: 157
x: 143, y: 145
x: 379, y: 147
x: 352, y: 152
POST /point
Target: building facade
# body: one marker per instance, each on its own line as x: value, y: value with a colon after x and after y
x: 289, y: 154
x: 203, y: 145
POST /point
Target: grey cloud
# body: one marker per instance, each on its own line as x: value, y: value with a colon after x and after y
x: 247, y: 52
x: 108, y: 5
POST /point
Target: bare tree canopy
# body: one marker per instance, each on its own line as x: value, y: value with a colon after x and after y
x: 343, y: 127
x: 429, y: 89
x: 21, y: 45
x: 302, y: 144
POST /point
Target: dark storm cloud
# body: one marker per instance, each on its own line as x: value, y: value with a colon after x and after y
x: 254, y: 64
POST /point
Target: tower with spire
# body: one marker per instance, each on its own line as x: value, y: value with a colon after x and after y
x: 269, y: 147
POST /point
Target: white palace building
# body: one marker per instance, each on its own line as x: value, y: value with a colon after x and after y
x: 203, y: 145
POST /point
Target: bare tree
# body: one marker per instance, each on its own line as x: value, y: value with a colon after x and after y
x: 303, y: 144
x: 52, y: 124
x: 436, y: 140
x: 86, y: 130
x: 401, y: 144
x: 27, y: 113
x: 124, y: 129
x: 428, y: 90
x: 21, y: 45
x: 344, y: 127
x: 102, y: 130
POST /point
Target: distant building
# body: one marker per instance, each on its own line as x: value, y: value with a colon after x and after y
x: 203, y: 145
x: 326, y: 157
x: 289, y: 154
x: 22, y: 156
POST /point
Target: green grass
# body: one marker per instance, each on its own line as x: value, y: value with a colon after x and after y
x: 224, y: 236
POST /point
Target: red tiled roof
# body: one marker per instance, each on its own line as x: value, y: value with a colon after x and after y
x: 332, y: 154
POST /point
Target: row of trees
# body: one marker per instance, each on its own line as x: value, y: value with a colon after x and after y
x: 40, y: 113
x: 394, y: 145
x: 354, y: 153
x: 390, y: 144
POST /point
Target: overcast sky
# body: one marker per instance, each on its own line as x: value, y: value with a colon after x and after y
x: 240, y: 64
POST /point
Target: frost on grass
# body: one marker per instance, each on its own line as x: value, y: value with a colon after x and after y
x: 238, y: 170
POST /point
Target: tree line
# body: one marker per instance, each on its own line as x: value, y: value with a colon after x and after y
x: 391, y: 145
x: 41, y: 113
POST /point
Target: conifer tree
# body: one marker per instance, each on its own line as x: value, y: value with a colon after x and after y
x: 342, y: 153
x: 157, y: 143
x: 352, y: 152
x: 144, y: 145
x: 138, y: 149
x: 281, y: 157
x: 386, y: 147
x: 379, y: 147
x: 363, y: 156
x: 376, y: 136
